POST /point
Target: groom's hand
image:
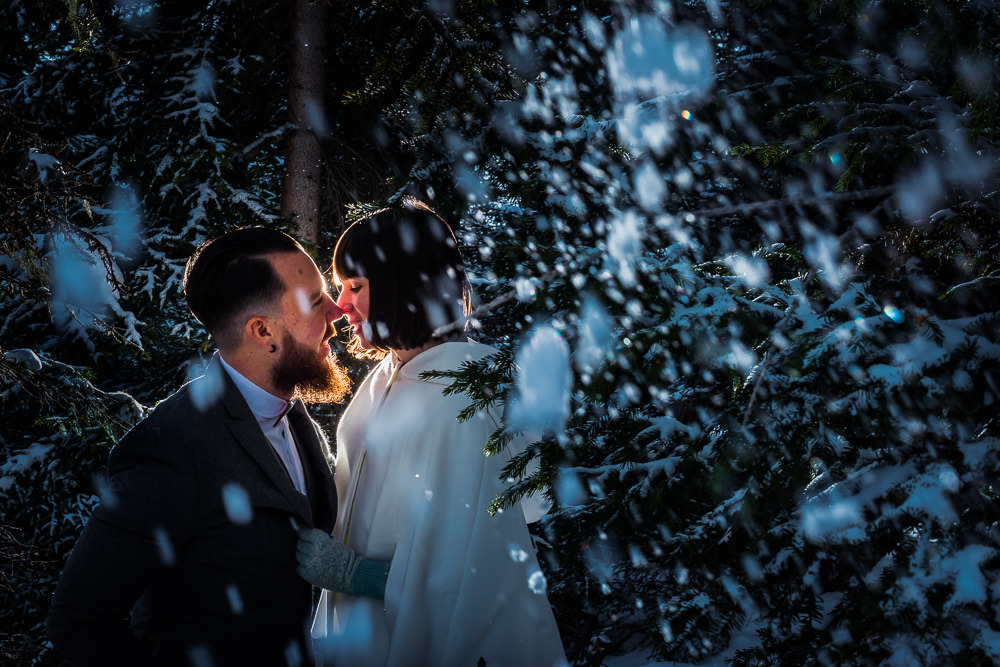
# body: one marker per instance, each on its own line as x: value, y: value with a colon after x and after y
x: 327, y: 562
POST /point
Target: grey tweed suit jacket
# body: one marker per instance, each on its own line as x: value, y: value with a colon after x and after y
x: 190, y: 559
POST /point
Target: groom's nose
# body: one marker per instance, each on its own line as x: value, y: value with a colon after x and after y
x: 333, y: 311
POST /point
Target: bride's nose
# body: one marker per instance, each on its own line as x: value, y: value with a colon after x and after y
x: 345, y: 308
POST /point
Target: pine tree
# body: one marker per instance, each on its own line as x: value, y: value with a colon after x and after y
x: 767, y: 456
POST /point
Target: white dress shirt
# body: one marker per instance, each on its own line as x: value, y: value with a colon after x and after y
x: 267, y: 407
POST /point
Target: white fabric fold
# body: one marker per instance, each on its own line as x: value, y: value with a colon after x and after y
x: 415, y: 486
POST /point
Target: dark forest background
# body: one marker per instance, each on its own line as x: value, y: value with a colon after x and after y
x: 749, y: 249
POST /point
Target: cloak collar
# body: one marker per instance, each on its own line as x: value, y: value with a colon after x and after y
x: 444, y: 357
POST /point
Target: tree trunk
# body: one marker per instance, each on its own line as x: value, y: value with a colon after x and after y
x: 301, y: 196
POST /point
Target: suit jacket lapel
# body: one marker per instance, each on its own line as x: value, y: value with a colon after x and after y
x: 317, y: 468
x: 243, y: 426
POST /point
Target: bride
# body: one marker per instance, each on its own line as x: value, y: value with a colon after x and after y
x: 433, y: 578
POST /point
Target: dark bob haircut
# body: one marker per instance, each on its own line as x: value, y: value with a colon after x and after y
x: 416, y: 277
x: 230, y: 274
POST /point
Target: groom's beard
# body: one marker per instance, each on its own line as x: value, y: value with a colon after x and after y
x: 309, y: 375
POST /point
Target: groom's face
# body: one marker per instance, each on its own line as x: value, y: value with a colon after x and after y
x: 306, y: 312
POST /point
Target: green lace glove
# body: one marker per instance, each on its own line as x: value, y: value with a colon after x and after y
x: 327, y: 562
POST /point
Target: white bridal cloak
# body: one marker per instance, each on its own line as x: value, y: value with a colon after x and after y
x: 414, y: 486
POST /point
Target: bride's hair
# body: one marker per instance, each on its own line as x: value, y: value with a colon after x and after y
x: 416, y: 277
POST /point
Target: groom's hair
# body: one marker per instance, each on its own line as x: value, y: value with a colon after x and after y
x: 229, y: 275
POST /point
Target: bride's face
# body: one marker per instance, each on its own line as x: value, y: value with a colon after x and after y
x: 353, y: 300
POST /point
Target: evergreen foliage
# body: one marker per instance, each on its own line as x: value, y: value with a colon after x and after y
x: 766, y: 467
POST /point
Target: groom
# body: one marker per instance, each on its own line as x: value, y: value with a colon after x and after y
x: 196, y: 538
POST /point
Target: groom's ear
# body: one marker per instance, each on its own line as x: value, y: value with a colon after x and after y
x: 260, y: 331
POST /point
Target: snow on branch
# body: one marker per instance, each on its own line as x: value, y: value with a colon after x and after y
x: 719, y: 211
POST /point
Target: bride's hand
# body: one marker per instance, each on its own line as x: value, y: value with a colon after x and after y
x: 327, y: 562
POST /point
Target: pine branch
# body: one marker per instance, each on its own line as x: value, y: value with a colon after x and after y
x: 718, y: 211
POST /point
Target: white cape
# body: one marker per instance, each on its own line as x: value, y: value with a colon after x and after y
x: 414, y: 486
